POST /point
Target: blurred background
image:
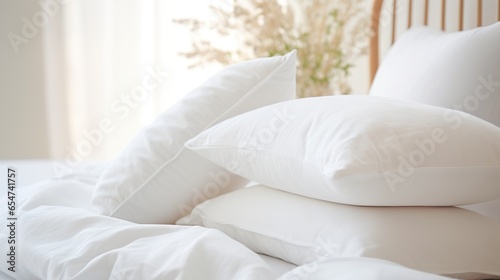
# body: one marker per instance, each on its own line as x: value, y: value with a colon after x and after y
x: 69, y: 65
x: 79, y: 78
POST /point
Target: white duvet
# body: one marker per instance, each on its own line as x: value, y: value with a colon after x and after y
x: 60, y: 237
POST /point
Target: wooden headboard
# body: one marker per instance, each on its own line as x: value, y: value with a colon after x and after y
x: 378, y: 17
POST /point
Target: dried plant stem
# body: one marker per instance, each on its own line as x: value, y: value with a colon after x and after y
x: 325, y: 33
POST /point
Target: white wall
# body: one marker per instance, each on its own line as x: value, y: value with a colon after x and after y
x: 23, y: 126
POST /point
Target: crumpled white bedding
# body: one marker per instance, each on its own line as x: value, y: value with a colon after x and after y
x: 60, y: 237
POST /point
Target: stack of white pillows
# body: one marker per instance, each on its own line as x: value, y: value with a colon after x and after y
x: 342, y: 176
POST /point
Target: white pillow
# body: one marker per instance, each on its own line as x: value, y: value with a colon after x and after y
x: 459, y: 70
x: 357, y: 269
x: 361, y: 150
x: 155, y: 179
x: 442, y: 240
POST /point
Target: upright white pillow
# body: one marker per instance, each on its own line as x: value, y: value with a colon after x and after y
x: 459, y: 70
x: 155, y: 179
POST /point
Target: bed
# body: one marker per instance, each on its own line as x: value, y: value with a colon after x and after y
x: 239, y: 180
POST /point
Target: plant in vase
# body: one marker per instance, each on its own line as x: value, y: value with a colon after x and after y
x: 327, y: 34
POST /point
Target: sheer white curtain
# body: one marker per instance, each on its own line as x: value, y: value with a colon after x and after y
x: 112, y: 67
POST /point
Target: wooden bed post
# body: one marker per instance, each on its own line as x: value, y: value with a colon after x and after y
x: 374, y: 49
x: 443, y: 14
x: 479, y: 12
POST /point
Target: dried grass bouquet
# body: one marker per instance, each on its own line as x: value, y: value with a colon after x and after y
x: 328, y: 35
